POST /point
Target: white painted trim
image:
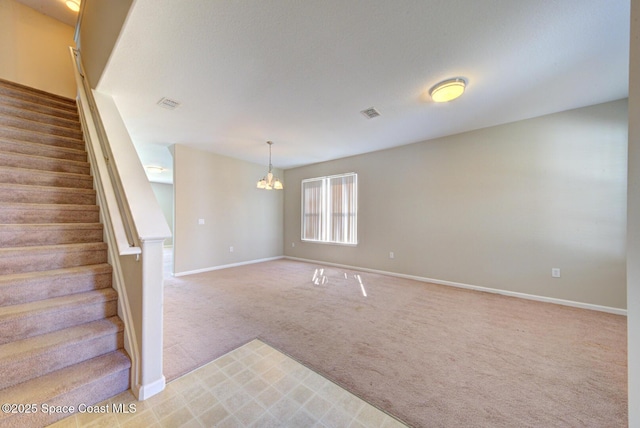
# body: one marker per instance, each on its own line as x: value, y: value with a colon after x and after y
x: 608, y: 309
x: 209, y: 269
x: 110, y: 218
x: 149, y: 390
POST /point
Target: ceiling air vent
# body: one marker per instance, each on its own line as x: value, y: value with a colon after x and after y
x: 168, y: 103
x: 370, y: 113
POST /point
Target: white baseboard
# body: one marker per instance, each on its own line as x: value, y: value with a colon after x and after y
x: 608, y: 309
x: 209, y: 269
x: 142, y: 392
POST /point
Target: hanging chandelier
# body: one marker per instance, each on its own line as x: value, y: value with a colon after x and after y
x: 270, y: 182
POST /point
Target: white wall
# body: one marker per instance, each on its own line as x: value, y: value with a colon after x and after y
x: 164, y: 195
x: 101, y: 22
x: 222, y: 191
x: 497, y: 207
x: 633, y: 234
x: 34, y: 49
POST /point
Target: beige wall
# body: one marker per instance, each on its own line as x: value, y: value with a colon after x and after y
x: 34, y: 49
x: 100, y: 27
x: 164, y: 195
x: 222, y: 191
x: 496, y: 208
x: 633, y: 236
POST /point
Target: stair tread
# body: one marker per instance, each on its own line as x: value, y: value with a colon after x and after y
x: 25, y: 276
x: 32, y: 234
x: 42, y: 146
x: 56, y: 247
x: 35, y: 226
x: 42, y: 388
x: 74, y: 139
x: 63, y: 207
x: 56, y: 304
x: 21, y: 155
x: 22, y: 112
x: 74, y: 175
x: 29, y: 347
x: 35, y: 187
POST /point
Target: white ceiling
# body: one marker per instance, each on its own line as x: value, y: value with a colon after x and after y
x: 299, y: 72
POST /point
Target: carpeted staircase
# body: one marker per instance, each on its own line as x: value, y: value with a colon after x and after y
x: 61, y: 341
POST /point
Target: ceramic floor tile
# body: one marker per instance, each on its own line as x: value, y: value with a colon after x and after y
x: 253, y: 386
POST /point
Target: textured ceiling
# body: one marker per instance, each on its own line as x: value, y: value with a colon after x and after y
x: 299, y: 72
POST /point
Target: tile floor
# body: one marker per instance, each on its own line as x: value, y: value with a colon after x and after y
x: 252, y: 386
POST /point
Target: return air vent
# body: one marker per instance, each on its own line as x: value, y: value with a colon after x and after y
x: 370, y: 113
x: 168, y: 103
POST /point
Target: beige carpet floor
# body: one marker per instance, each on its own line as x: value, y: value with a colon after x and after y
x: 432, y: 355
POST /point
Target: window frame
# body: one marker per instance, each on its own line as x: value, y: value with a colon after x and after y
x: 327, y: 216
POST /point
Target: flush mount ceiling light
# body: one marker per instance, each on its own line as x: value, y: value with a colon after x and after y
x: 269, y: 181
x: 448, y: 90
x: 152, y: 169
x: 74, y: 5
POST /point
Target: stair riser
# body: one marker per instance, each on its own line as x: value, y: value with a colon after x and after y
x: 102, y: 389
x: 36, y: 178
x: 38, y: 196
x: 22, y: 147
x: 41, y: 323
x: 16, y: 111
x: 15, y: 160
x: 21, y: 370
x: 25, y: 261
x: 29, y: 236
x: 33, y: 289
x: 30, y: 125
x: 16, y: 134
x: 13, y: 215
x: 37, y: 98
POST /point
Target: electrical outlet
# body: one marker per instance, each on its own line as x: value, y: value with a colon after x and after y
x: 555, y: 272
x: 391, y: 255
x: 200, y: 221
x: 293, y: 244
x: 231, y: 249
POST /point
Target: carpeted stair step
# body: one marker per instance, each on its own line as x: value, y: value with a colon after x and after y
x: 21, y: 213
x: 23, y: 235
x: 31, y: 319
x: 29, y: 136
x: 87, y: 383
x: 54, y: 111
x: 20, y: 92
x: 17, y: 289
x: 46, y: 194
x: 45, y: 150
x: 51, y: 257
x: 17, y: 160
x: 32, y: 125
x: 24, y: 112
x: 44, y: 178
x: 26, y: 359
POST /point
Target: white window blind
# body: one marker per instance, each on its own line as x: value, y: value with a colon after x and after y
x: 329, y: 209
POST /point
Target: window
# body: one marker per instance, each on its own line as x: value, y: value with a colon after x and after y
x: 329, y: 209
